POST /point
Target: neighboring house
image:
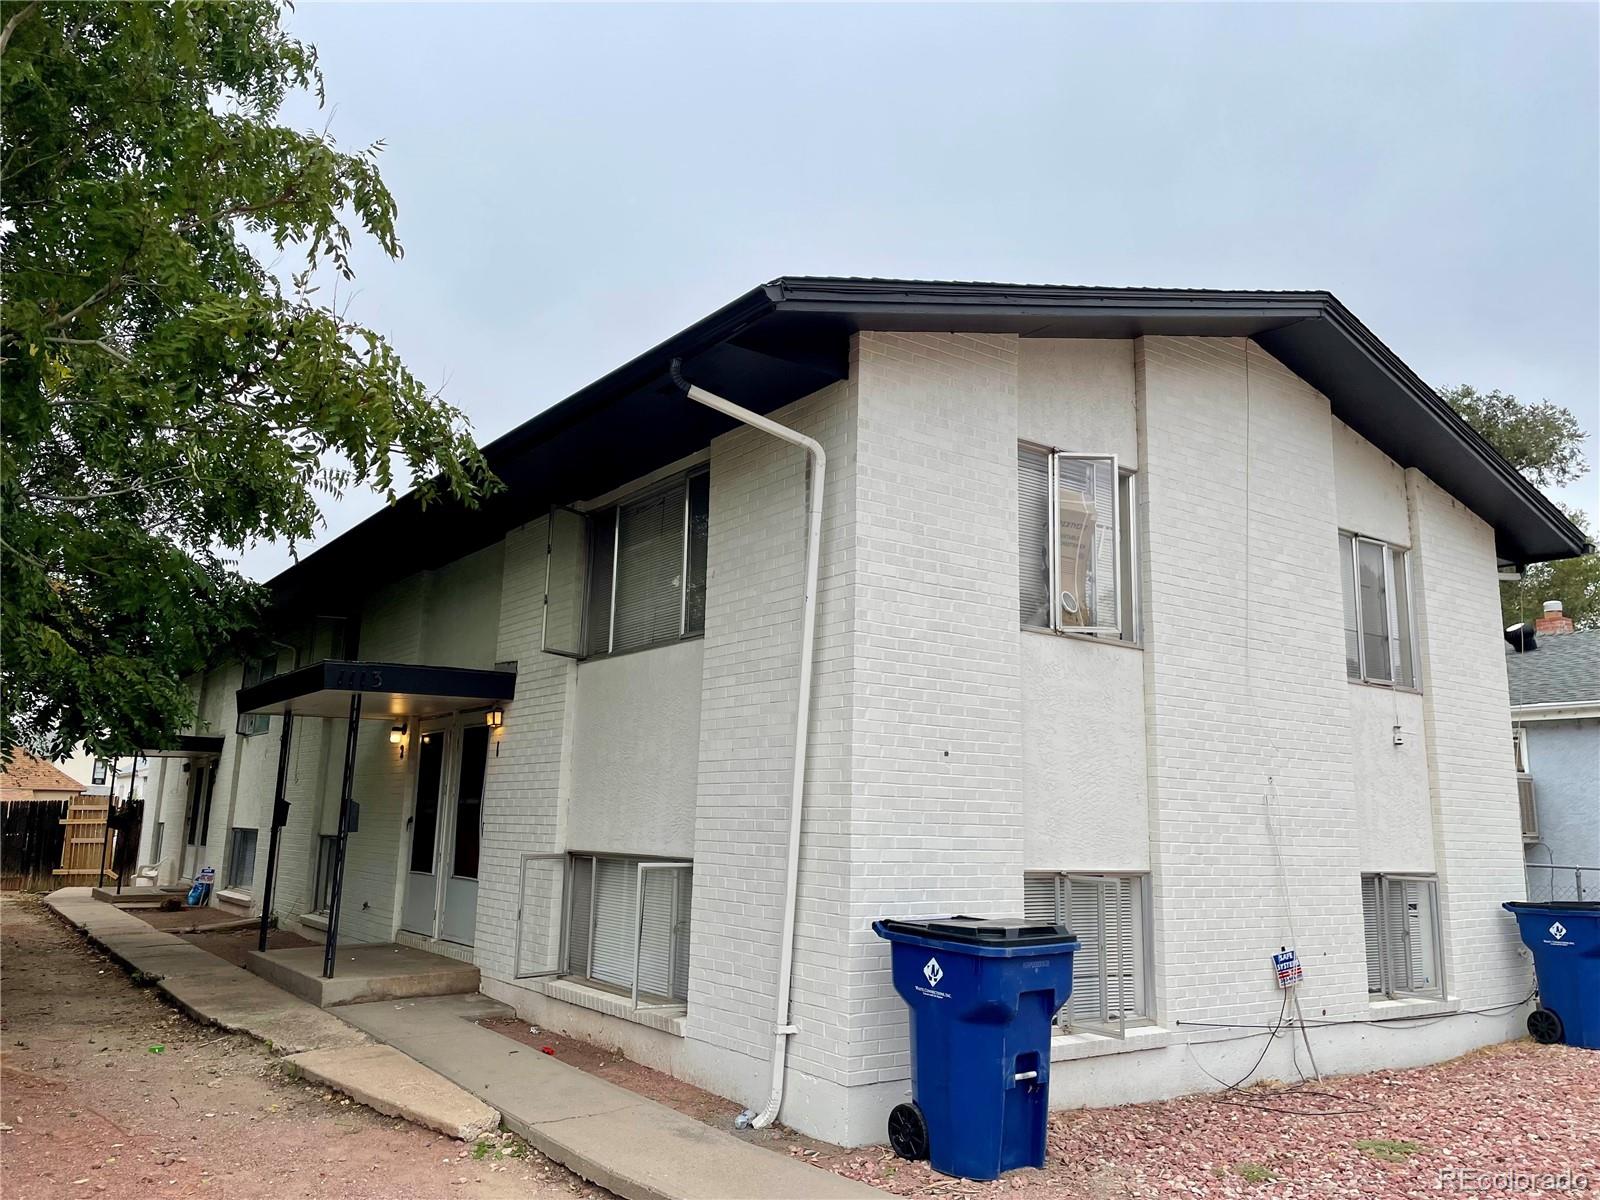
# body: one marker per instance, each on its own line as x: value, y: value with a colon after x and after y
x: 104, y: 777
x: 29, y: 779
x: 34, y: 798
x: 1167, y: 614
x: 1555, y: 715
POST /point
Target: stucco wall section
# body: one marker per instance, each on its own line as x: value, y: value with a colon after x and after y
x: 1083, y: 767
x: 1371, y: 488
x: 1393, y: 805
x: 1077, y: 394
x: 636, y: 752
x: 1564, y: 760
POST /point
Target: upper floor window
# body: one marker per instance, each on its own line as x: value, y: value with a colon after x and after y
x: 630, y: 575
x: 1377, y: 612
x: 255, y: 671
x: 1075, y: 543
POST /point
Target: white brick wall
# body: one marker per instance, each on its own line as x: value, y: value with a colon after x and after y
x: 925, y: 771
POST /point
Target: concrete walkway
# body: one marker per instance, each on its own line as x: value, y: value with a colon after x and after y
x: 428, y: 1060
x: 637, y: 1148
x: 316, y: 1044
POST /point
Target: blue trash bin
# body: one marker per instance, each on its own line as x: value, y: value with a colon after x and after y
x: 1565, y: 939
x: 982, y: 993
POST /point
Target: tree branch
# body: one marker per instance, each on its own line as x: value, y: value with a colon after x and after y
x: 11, y: 25
x: 97, y: 343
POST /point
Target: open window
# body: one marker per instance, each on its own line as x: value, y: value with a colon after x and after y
x: 1109, y: 914
x: 1378, y: 642
x: 627, y: 926
x: 1078, y: 570
x: 1400, y: 914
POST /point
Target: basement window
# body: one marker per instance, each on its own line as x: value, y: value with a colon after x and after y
x: 631, y: 575
x: 1109, y: 915
x: 627, y: 927
x: 1378, y: 641
x: 1078, y: 572
x: 1400, y: 916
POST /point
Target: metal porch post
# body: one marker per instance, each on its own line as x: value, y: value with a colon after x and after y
x: 105, y: 840
x: 344, y: 835
x: 280, y: 818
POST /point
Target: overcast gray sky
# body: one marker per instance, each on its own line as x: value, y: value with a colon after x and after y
x: 577, y: 182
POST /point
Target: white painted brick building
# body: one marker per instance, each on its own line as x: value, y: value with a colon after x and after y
x: 1197, y: 784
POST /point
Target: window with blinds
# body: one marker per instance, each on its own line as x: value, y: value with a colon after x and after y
x: 646, y: 567
x: 1110, y: 971
x: 1400, y: 919
x: 1378, y: 642
x: 627, y: 915
x: 1076, y: 565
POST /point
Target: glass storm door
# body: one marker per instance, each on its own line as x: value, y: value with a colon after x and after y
x: 422, y: 877
x: 463, y: 834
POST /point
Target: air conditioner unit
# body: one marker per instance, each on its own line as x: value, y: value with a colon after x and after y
x: 1530, y: 810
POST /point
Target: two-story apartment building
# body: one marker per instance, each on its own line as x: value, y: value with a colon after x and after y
x: 1168, y: 614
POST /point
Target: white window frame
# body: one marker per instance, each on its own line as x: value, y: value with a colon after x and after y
x: 638, y: 1000
x: 1386, y: 936
x: 1400, y: 648
x: 683, y: 482
x: 1108, y: 1022
x: 1126, y: 625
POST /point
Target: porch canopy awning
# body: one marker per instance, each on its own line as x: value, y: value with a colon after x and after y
x: 387, y: 690
x: 187, y: 745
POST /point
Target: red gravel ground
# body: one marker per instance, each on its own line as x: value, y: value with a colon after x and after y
x: 104, y: 1090
x: 1499, y: 1111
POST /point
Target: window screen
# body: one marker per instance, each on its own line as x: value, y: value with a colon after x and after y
x: 1400, y: 918
x: 1377, y: 612
x: 606, y: 924
x: 1107, y: 915
x: 1076, y: 567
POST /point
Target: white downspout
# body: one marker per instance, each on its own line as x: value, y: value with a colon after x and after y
x: 781, y: 1028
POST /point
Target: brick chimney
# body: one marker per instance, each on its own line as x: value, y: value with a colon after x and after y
x: 1553, y: 620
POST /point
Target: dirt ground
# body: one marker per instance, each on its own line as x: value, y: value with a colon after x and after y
x: 104, y: 1089
x: 1500, y: 1116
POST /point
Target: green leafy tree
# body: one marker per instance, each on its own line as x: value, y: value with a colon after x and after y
x: 168, y: 401
x: 1545, y: 442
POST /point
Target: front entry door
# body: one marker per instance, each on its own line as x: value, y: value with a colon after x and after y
x: 422, y: 877
x: 441, y: 899
x: 465, y: 827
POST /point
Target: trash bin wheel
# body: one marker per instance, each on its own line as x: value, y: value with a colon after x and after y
x: 908, y: 1132
x: 1543, y: 1026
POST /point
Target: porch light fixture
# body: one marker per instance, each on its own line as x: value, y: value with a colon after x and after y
x: 397, y: 737
x: 495, y: 717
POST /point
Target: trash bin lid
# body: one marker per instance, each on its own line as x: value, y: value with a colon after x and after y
x: 983, y: 931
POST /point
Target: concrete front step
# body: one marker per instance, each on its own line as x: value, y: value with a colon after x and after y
x: 396, y: 1085
x: 364, y: 973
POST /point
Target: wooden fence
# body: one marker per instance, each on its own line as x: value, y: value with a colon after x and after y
x: 31, y: 836
x: 84, y: 848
